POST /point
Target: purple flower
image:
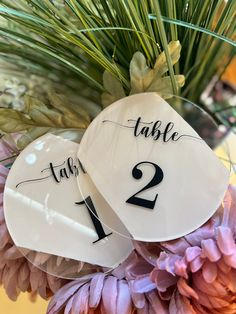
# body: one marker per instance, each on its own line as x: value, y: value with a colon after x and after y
x: 101, y: 293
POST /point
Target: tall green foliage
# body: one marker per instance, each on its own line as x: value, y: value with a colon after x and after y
x: 74, y: 41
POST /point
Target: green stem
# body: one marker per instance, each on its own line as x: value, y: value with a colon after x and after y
x: 165, y: 45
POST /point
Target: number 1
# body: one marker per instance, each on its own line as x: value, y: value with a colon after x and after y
x: 94, y: 216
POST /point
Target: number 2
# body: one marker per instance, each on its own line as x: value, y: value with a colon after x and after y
x: 157, y: 178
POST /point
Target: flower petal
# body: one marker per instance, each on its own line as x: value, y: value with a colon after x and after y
x: 124, y: 301
x: 157, y: 305
x: 209, y: 272
x: 196, y: 264
x: 68, y: 307
x: 181, y: 268
x: 143, y: 284
x: 167, y: 262
x: 225, y: 240
x: 96, y: 287
x: 205, y: 232
x: 63, y: 295
x: 230, y: 259
x: 232, y: 280
x: 176, y: 246
x: 137, y: 298
x: 109, y: 294
x: 214, y: 289
x: 180, y: 305
x: 163, y: 279
x: 210, y: 250
x: 192, y: 252
x: 186, y: 290
x: 80, y: 303
x: 223, y: 266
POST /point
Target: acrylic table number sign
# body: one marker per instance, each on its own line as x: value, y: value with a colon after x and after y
x: 45, y: 211
x: 154, y: 170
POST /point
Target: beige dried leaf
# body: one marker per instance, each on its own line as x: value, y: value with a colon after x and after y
x: 161, y: 65
x: 13, y: 121
x: 113, y: 87
x: 163, y: 85
x: 140, y: 74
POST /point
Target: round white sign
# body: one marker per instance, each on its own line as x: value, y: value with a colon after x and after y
x: 45, y: 211
x: 154, y: 170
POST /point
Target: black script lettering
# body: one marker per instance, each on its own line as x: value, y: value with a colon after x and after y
x: 74, y: 170
x: 153, y: 129
x: 65, y: 170
x: 156, y: 133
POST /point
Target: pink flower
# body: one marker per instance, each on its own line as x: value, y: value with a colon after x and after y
x: 201, y: 267
x: 195, y: 274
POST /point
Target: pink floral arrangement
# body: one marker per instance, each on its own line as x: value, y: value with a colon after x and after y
x: 193, y: 274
